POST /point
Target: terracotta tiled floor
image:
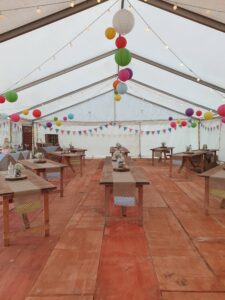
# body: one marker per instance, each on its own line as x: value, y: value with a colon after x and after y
x: 177, y: 255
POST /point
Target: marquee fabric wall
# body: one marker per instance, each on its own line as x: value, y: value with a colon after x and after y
x: 138, y: 137
x: 5, y: 132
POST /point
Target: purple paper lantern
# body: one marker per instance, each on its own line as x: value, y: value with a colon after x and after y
x: 170, y: 118
x: 189, y: 112
x: 65, y: 118
x: 123, y: 75
x: 49, y: 124
x: 131, y: 73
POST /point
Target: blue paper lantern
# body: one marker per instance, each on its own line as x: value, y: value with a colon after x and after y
x: 70, y: 116
x: 121, y: 88
x: 4, y: 116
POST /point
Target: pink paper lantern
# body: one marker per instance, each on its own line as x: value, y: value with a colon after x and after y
x: 173, y: 125
x: 223, y: 120
x: 65, y: 118
x: 131, y: 73
x: 124, y: 75
x: 15, y: 118
x: 221, y: 110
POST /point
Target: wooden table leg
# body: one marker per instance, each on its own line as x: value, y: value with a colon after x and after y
x: 153, y: 155
x: 61, y: 181
x: 171, y: 166
x: 81, y: 165
x: 6, y: 221
x: 206, y: 204
x: 140, y: 205
x: 46, y: 214
x: 107, y: 200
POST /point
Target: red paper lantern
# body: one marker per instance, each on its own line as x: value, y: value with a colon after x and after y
x: 223, y: 120
x: 121, y: 42
x: 15, y: 118
x: 183, y: 123
x: 221, y: 110
x: 2, y: 99
x: 115, y: 83
x: 198, y: 113
x: 36, y: 113
x: 173, y: 125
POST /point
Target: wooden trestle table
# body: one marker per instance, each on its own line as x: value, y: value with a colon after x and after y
x: 107, y: 181
x: 67, y: 157
x: 7, y: 194
x: 43, y: 168
x: 164, y: 151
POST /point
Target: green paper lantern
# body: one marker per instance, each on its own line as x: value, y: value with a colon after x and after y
x: 55, y: 119
x: 115, y: 92
x: 122, y: 57
x: 11, y: 96
x: 193, y: 125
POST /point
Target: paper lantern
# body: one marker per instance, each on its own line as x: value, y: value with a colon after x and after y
x: 65, y: 118
x: 124, y: 75
x: 131, y: 73
x: 49, y: 124
x: 122, y: 57
x: 58, y: 123
x: 198, y: 113
x: 115, y: 92
x: 2, y: 99
x: 123, y: 21
x: 121, y: 88
x: 55, y: 119
x: 221, y: 110
x: 178, y: 122
x: 189, y: 112
x: 170, y: 118
x: 11, y: 96
x: 194, y: 124
x: 117, y: 97
x: 15, y: 118
x: 183, y: 123
x: 223, y: 120
x: 208, y: 115
x: 173, y: 125
x: 25, y: 112
x: 110, y: 33
x: 115, y: 83
x: 4, y: 116
x: 70, y: 116
x: 36, y: 113
x: 121, y: 42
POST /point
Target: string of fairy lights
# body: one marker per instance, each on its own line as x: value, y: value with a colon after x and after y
x: 70, y: 43
x: 181, y: 61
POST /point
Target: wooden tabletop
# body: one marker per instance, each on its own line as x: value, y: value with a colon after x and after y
x: 162, y: 148
x: 123, y: 149
x: 50, y: 164
x: 184, y: 154
x: 137, y: 172
x: 38, y: 181
x: 213, y: 171
x: 76, y: 154
x: 78, y: 150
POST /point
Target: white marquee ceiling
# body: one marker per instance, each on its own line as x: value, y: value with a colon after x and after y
x: 199, y: 47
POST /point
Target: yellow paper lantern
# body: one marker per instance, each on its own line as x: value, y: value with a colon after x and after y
x: 110, y: 33
x: 58, y: 123
x: 178, y: 122
x: 208, y: 115
x: 117, y: 97
x: 25, y: 112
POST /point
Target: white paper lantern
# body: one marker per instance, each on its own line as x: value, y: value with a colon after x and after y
x: 123, y: 21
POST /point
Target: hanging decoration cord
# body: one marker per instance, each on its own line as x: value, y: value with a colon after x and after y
x: 60, y: 49
x: 182, y: 62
